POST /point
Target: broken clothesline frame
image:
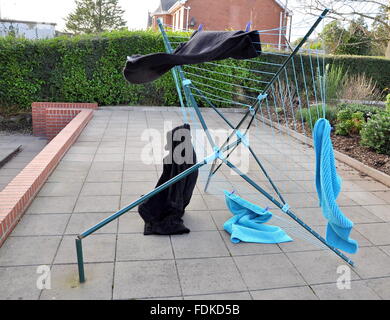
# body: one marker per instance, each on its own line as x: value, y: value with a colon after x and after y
x: 218, y: 155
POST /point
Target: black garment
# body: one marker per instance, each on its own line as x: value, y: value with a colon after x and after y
x: 203, y: 46
x: 163, y: 212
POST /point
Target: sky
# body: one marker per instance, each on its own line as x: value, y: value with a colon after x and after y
x: 136, y: 11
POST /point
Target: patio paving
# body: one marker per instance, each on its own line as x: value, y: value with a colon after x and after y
x: 103, y: 171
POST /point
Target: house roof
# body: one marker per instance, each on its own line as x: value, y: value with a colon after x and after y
x: 284, y: 7
x: 164, y: 6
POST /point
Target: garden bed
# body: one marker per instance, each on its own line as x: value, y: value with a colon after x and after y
x: 351, y: 147
x: 18, y: 122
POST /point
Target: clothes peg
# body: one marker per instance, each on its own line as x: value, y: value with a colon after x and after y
x: 248, y: 26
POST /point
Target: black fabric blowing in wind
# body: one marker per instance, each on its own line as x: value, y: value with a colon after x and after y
x: 203, y: 46
x: 163, y: 212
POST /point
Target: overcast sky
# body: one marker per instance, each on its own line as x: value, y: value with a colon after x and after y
x: 136, y: 11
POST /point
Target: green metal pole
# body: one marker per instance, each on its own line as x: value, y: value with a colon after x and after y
x: 80, y: 262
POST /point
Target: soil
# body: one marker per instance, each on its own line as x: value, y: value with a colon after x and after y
x: 351, y: 147
x: 16, y: 123
x: 347, y: 145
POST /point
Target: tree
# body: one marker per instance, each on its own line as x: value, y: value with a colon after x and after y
x: 380, y: 34
x: 334, y: 36
x: 93, y: 16
x: 375, y: 11
x: 359, y: 38
x: 355, y: 39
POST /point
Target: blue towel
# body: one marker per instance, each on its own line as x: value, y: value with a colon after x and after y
x: 328, y: 185
x: 247, y: 222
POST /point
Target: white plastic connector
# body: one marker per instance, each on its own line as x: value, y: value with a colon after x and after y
x: 244, y: 138
x: 186, y: 82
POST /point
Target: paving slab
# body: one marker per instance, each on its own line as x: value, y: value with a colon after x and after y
x: 103, y: 171
x: 204, y: 276
x: 380, y: 287
x: 359, y: 214
x: 376, y: 233
x: 65, y: 284
x: 199, y: 244
x: 101, y: 189
x: 364, y: 198
x: 318, y: 266
x: 291, y: 293
x: 60, y: 189
x: 42, y: 224
x: 52, y: 205
x: 131, y: 222
x: 358, y: 291
x: 139, y: 247
x: 104, y: 176
x: 381, y: 211
x: 83, y: 221
x: 97, y: 204
x: 19, y: 283
x: 385, y: 249
x: 268, y: 271
x: 96, y: 248
x: 372, y: 262
x: 146, y: 279
x: 199, y: 221
x: 60, y: 175
x: 221, y: 296
x: 31, y: 250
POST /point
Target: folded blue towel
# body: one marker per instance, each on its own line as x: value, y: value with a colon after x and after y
x: 247, y: 223
x: 328, y: 185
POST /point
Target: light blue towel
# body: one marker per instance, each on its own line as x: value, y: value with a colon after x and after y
x: 247, y: 223
x: 328, y: 185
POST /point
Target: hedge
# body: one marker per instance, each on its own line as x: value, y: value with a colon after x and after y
x: 89, y: 69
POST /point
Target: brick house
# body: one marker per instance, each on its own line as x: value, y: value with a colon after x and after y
x: 223, y: 15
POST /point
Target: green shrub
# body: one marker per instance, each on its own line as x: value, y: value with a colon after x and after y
x: 348, y: 122
x: 368, y: 111
x: 376, y: 133
x: 388, y: 103
x: 335, y: 79
x: 372, y: 67
x: 88, y: 68
x: 315, y: 112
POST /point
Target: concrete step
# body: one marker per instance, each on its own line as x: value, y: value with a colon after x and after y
x: 6, y: 154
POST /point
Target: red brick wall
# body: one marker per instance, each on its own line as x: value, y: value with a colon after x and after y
x: 50, y: 117
x: 234, y: 14
x: 56, y: 119
x: 167, y: 20
x: 18, y: 194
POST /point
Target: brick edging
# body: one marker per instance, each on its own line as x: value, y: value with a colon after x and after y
x: 18, y: 194
x: 50, y: 117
